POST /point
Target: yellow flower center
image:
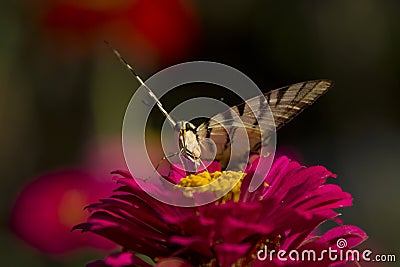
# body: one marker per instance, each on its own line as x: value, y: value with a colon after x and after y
x: 226, y: 184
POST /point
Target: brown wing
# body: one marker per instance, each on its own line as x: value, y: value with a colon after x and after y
x: 268, y: 112
x: 287, y: 102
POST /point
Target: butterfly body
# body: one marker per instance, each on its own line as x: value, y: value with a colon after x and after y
x: 188, y: 140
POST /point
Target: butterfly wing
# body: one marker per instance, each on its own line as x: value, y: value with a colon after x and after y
x: 287, y: 102
x: 260, y: 116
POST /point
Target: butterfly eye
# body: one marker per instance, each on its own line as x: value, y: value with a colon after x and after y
x: 187, y: 126
x: 177, y: 127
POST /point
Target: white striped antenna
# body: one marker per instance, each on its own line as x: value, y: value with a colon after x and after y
x: 152, y: 95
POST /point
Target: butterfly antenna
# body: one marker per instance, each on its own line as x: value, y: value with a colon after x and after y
x: 152, y: 95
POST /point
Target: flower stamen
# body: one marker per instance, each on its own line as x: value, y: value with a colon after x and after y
x: 217, y: 182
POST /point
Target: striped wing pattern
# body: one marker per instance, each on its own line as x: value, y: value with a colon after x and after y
x: 287, y: 102
x: 284, y: 104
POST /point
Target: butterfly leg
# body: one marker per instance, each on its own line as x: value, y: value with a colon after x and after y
x: 180, y: 153
x: 159, y: 163
x: 204, y: 166
x: 197, y: 164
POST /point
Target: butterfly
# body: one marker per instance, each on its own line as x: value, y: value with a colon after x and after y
x: 260, y: 116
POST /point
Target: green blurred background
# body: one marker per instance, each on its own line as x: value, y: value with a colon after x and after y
x: 63, y: 94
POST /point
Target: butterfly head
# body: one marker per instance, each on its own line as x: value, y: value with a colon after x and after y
x: 188, y: 139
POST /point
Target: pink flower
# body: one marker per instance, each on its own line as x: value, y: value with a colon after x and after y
x: 281, y: 214
x: 50, y: 205
x: 54, y: 201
